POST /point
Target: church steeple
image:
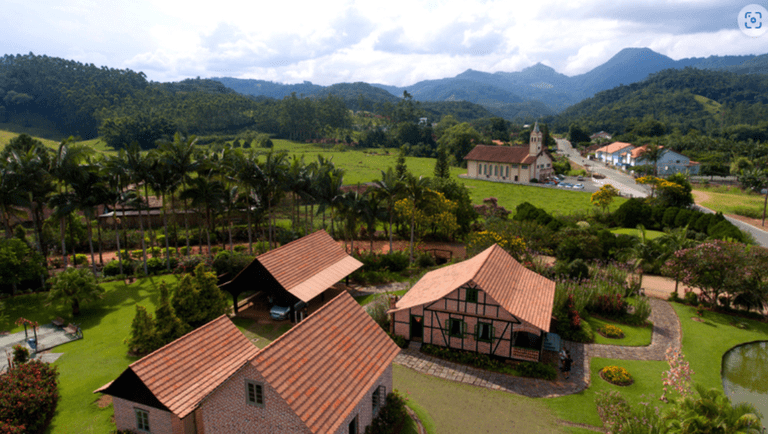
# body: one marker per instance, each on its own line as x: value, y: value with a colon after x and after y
x: 535, y: 141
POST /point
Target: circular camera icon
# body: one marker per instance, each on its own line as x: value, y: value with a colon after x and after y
x: 753, y: 20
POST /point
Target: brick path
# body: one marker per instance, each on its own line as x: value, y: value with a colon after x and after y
x: 666, y: 332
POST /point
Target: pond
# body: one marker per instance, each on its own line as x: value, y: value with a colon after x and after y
x: 745, y: 375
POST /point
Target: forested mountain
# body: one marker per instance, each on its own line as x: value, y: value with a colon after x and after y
x: 534, y: 92
x: 710, y: 101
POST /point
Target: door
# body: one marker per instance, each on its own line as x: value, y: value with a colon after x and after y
x: 417, y: 328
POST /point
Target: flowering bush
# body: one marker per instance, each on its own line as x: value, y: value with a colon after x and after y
x: 20, y: 354
x: 612, y: 305
x: 616, y: 375
x: 28, y: 397
x: 611, y: 331
x: 678, y: 377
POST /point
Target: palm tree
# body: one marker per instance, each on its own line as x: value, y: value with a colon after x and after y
x: 653, y: 153
x: 712, y: 412
x: 12, y: 197
x: 89, y: 191
x: 351, y: 205
x: 371, y: 212
x: 672, y: 241
x: 274, y: 169
x: 138, y: 168
x: 163, y: 181
x: 65, y: 167
x: 389, y: 188
x: 249, y: 174
x: 207, y: 196
x: 643, y: 253
x: 329, y: 192
x: 417, y: 191
x: 178, y: 155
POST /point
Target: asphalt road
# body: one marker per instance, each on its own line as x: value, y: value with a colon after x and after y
x: 628, y: 188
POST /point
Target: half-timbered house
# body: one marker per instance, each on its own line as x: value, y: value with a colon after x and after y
x: 489, y: 304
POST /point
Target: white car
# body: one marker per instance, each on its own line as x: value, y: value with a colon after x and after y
x: 578, y: 186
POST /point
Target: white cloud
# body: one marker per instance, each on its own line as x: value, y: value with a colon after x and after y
x: 397, y: 42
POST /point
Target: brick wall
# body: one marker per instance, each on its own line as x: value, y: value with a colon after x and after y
x: 160, y: 421
x: 364, y: 409
x: 226, y: 410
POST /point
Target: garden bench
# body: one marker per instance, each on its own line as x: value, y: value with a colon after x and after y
x: 59, y: 322
x: 74, y: 330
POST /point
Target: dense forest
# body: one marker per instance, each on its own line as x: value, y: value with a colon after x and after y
x: 66, y: 98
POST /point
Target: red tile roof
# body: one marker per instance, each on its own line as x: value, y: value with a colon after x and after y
x: 501, y: 154
x: 324, y: 366
x: 308, y: 266
x: 637, y: 152
x: 181, y: 374
x: 521, y: 292
x: 613, y: 147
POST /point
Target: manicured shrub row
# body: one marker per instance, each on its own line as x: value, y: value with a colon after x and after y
x: 28, y: 397
x: 483, y: 361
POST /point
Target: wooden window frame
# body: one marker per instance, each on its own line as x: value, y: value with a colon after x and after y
x: 479, y: 330
x: 475, y: 295
x: 142, y: 419
x: 258, y: 393
x: 449, y: 325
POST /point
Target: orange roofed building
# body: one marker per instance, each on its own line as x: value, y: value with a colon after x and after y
x: 297, y: 271
x: 489, y: 304
x: 328, y: 374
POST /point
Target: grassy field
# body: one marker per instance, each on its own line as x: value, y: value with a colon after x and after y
x: 99, y: 357
x: 461, y: 408
x: 729, y: 200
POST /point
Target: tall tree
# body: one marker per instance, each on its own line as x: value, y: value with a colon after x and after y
x: 417, y: 192
x: 179, y: 158
x: 389, y: 187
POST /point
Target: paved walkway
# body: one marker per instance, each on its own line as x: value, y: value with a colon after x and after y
x: 666, y: 333
x: 48, y: 336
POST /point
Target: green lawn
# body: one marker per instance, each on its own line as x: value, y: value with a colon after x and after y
x: 728, y: 199
x: 704, y: 344
x: 260, y: 334
x: 649, y: 234
x: 633, y: 336
x: 581, y: 408
x: 461, y: 408
x: 99, y: 357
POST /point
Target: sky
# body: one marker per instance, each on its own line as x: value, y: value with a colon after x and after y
x: 395, y: 42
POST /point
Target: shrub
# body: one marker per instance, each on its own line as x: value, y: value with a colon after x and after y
x: 20, y: 354
x: 537, y: 370
x: 748, y: 212
x: 611, y: 331
x: 616, y: 375
x: 188, y: 263
x: 377, y: 309
x: 81, y: 259
x: 425, y: 260
x: 28, y: 397
x: 215, y: 249
x: 642, y: 311
x: 137, y: 254
x: 399, y: 340
x: 391, y: 418
x: 610, y: 305
x: 584, y: 334
x: 240, y: 249
x: 691, y: 298
x: 482, y: 361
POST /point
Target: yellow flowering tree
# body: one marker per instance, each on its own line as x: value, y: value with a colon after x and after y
x: 653, y: 181
x: 479, y: 241
x: 604, y: 196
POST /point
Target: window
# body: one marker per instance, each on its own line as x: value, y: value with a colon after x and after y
x: 142, y: 419
x: 507, y: 171
x: 353, y: 426
x: 455, y: 327
x: 378, y: 399
x: 479, y: 169
x: 254, y: 393
x: 484, y: 332
x: 495, y: 170
x: 471, y: 296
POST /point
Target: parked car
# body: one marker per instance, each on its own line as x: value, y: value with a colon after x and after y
x: 580, y: 178
x: 550, y: 183
x: 560, y: 177
x: 578, y: 186
x: 280, y: 313
x: 565, y: 185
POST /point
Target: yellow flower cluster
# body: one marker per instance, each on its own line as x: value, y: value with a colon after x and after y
x: 479, y: 241
x: 612, y: 331
x: 616, y: 375
x: 437, y: 212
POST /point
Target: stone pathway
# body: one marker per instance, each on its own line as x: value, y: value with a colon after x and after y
x: 48, y: 336
x: 666, y: 333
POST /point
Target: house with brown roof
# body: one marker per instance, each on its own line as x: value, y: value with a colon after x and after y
x: 489, y: 304
x: 301, y: 270
x: 511, y: 163
x: 329, y: 374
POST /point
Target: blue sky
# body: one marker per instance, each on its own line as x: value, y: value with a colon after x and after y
x: 397, y: 42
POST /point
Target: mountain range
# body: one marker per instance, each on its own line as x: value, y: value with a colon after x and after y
x: 534, y: 92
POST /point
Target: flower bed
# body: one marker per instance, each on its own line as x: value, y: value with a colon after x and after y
x: 611, y: 332
x: 616, y: 375
x: 483, y: 361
